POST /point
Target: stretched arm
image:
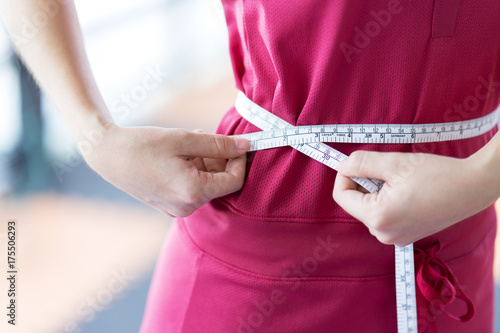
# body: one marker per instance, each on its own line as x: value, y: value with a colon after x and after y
x: 423, y: 193
x: 173, y: 170
x: 55, y: 55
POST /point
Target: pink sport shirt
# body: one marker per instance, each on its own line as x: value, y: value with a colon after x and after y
x: 280, y: 255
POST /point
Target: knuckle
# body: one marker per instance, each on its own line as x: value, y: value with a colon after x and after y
x: 184, y: 209
x: 394, y: 158
x: 175, y: 212
x: 183, y: 212
x: 379, y: 223
x: 358, y: 161
x: 184, y: 134
x: 380, y: 227
x: 183, y: 140
x: 386, y: 239
x: 191, y: 197
x: 335, y: 195
x: 212, y: 189
x: 220, y: 143
x: 237, y: 181
x: 188, y: 211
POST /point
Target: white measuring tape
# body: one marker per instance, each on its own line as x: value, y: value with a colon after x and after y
x: 309, y: 140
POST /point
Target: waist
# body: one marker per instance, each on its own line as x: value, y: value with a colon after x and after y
x: 276, y: 132
x: 335, y: 248
x: 282, y: 184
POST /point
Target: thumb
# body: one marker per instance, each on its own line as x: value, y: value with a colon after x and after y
x: 231, y: 180
x: 213, y: 145
x: 367, y: 164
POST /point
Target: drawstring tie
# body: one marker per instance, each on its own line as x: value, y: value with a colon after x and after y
x: 437, y: 288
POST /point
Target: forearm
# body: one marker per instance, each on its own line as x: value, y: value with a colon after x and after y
x: 487, y: 162
x: 56, y: 57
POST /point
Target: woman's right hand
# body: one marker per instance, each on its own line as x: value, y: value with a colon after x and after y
x: 173, y: 170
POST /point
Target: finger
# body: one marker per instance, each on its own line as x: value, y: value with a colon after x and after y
x: 215, y: 164
x: 212, y: 164
x: 228, y: 181
x: 237, y: 167
x: 368, y: 164
x: 354, y: 202
x: 199, y: 163
x: 212, y: 145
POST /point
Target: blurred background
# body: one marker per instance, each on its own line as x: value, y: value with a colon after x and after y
x: 86, y: 250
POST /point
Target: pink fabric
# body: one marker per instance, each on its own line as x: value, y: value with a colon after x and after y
x: 444, y: 18
x: 437, y: 287
x: 280, y: 255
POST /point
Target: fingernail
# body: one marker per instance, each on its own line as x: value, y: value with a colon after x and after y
x: 242, y: 144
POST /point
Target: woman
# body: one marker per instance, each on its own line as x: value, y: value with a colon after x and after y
x: 259, y: 245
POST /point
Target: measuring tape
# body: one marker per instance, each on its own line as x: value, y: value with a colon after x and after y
x: 309, y: 140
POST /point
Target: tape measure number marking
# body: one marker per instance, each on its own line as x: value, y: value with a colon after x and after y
x: 309, y: 140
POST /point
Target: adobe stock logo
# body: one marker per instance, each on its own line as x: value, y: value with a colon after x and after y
x: 473, y: 102
x: 123, y: 105
x: 31, y: 26
x: 372, y: 29
x: 88, y: 309
x: 264, y: 308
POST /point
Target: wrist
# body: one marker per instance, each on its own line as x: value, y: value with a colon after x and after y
x: 89, y: 128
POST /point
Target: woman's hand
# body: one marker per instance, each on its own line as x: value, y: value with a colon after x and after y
x: 173, y: 170
x: 422, y: 194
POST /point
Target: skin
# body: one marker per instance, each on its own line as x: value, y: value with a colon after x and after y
x: 173, y: 170
x: 422, y: 194
x: 177, y: 171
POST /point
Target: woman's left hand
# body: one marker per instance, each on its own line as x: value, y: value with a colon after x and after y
x: 422, y: 194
